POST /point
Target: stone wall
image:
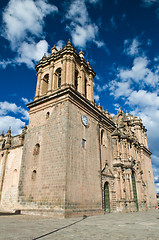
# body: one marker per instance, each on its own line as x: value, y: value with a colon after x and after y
x: 10, y: 169
x: 43, y: 174
x: 83, y: 179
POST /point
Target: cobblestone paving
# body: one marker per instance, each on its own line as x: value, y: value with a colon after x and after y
x: 113, y: 226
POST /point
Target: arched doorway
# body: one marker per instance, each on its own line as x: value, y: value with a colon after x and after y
x: 106, y: 198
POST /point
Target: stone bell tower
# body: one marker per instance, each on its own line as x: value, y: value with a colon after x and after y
x: 61, y: 158
x: 64, y: 68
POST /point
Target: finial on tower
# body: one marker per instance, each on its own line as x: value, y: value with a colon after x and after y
x: 2, y: 134
x: 81, y: 54
x: 54, y: 49
x: 99, y: 107
x: 8, y: 132
x: 69, y: 42
x: 106, y: 113
x: 44, y: 57
x: 24, y: 128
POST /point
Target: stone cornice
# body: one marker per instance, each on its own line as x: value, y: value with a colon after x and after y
x: 67, y: 50
x: 68, y: 93
x: 145, y: 149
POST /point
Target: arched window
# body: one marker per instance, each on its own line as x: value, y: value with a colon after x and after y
x: 58, y: 78
x: 45, y: 82
x: 76, y: 80
x: 104, y: 140
x: 47, y: 115
x: 33, y: 177
x: 85, y: 87
x: 102, y: 133
x: 36, y: 149
x: 14, y: 177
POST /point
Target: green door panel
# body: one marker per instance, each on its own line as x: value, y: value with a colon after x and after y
x: 134, y: 190
x: 106, y: 198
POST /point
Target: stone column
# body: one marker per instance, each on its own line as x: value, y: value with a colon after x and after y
x: 50, y: 86
x: 92, y: 92
x: 90, y: 88
x: 121, y: 186
x: 73, y: 71
x: 37, y: 94
x: 82, y: 90
x: 131, y: 188
x: 118, y: 187
x: 68, y: 70
x: 54, y: 81
x: 63, y: 73
x: 118, y: 150
x: 128, y: 186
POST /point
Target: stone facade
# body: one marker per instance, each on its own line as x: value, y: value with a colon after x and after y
x: 74, y: 159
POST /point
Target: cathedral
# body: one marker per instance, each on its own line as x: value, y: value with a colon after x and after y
x: 74, y: 159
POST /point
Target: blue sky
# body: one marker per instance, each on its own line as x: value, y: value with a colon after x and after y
x: 119, y: 38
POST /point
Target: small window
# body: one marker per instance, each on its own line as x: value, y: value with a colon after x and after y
x: 47, y: 115
x: 33, y: 175
x: 36, y: 149
x: 59, y: 78
x: 76, y: 79
x: 84, y: 143
x: 14, y: 177
x: 85, y: 88
x: 45, y: 82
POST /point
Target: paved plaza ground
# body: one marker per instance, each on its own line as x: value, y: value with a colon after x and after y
x: 139, y: 225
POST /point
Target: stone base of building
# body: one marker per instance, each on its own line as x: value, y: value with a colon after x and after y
x: 43, y: 212
x: 126, y: 206
x: 83, y: 212
x: 63, y: 213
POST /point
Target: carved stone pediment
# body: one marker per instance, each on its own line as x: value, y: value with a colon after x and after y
x: 107, y: 172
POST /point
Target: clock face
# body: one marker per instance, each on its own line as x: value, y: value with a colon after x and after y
x: 84, y: 120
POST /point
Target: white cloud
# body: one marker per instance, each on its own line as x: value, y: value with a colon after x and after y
x: 5, y: 63
x: 12, y: 116
x: 60, y: 44
x: 25, y: 100
x: 145, y: 105
x: 30, y: 53
x: 83, y: 34
x: 148, y: 3
x: 15, y: 124
x: 137, y: 85
x: 93, y: 1
x: 100, y: 43
x: 23, y: 20
x: 6, y: 107
x: 144, y: 99
x: 96, y: 98
x: 78, y: 12
x: 81, y: 28
x: 140, y: 72
x: 24, y: 17
x: 120, y: 89
x: 113, y: 23
x: 137, y: 72
x: 101, y: 88
x: 131, y: 47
